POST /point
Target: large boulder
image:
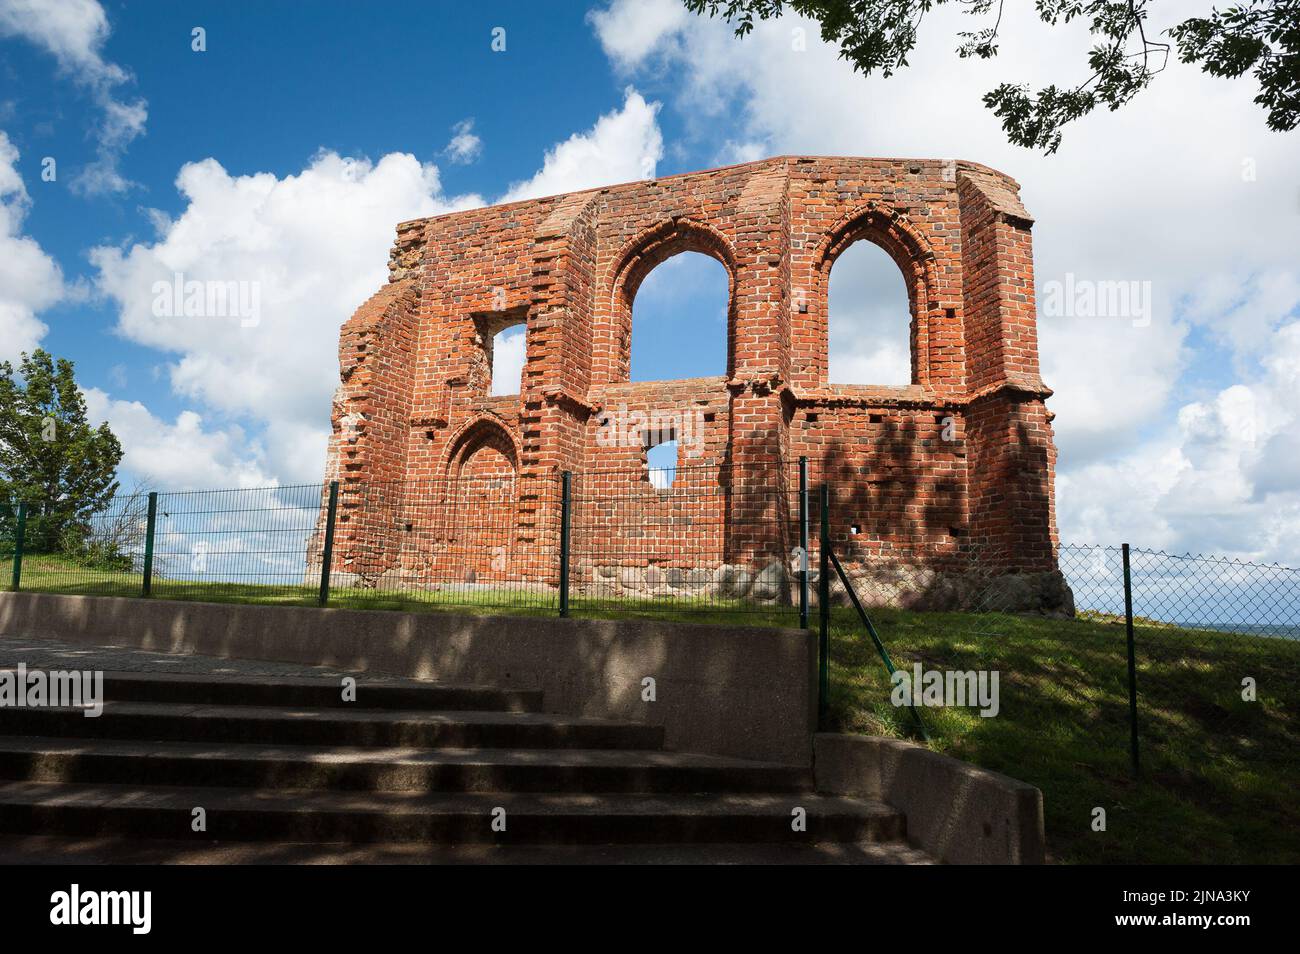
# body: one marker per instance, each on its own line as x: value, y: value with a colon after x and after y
x: 772, y: 582
x: 732, y: 582
x: 699, y: 579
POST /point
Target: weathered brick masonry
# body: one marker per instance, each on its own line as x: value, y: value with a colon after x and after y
x: 959, y: 462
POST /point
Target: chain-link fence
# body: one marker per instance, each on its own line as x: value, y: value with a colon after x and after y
x: 1190, y: 615
x: 1162, y: 689
x: 8, y: 540
x: 1218, y: 658
x: 698, y: 539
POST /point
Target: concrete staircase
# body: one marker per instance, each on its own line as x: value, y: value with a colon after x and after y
x: 284, y: 760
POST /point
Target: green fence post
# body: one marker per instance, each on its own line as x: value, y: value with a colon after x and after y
x: 803, y: 542
x: 1132, y: 665
x: 327, y: 554
x: 852, y: 594
x: 150, y: 525
x: 19, y: 533
x: 824, y: 612
x: 566, y: 513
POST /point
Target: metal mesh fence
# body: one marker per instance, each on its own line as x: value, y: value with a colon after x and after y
x: 1216, y: 643
x: 8, y: 539
x: 97, y: 553
x: 233, y: 544
x: 966, y: 616
x: 691, y: 539
x: 1030, y: 674
x: 1218, y: 652
x: 480, y: 542
x: 685, y: 538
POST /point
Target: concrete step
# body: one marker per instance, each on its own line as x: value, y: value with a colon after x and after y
x: 282, y: 725
x: 387, y: 769
x: 461, y: 818
x: 313, y: 692
x: 72, y: 850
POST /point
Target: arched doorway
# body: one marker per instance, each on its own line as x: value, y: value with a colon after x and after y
x: 482, y: 517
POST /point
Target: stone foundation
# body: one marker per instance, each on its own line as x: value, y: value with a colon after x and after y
x: 878, y: 584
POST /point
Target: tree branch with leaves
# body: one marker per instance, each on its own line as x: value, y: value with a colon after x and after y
x: 1261, y: 37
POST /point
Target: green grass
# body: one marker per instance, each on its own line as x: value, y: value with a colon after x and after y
x: 1219, y: 778
x: 1219, y: 775
x: 50, y: 573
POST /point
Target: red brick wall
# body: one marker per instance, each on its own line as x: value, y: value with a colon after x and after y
x: 960, y: 459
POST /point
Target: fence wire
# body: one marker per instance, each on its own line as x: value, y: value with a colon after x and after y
x: 236, y: 544
x: 73, y: 551
x: 1216, y: 642
x: 1196, y: 755
x: 488, y: 541
x: 1218, y: 648
x: 685, y: 538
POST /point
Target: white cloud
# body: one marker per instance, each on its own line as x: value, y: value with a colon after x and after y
x: 623, y: 145
x: 1223, y: 478
x: 508, y: 355
x: 630, y: 32
x: 1244, y: 313
x: 1156, y: 192
x: 734, y: 153
x: 122, y: 123
x: 869, y: 322
x: 465, y: 147
x: 29, y: 278
x: 74, y: 32
x: 1116, y: 502
x: 181, y: 454
x: 314, y: 245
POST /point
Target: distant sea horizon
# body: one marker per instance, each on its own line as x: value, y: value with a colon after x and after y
x: 1282, y: 630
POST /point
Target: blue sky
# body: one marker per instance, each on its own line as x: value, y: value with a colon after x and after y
x: 287, y: 151
x: 274, y: 87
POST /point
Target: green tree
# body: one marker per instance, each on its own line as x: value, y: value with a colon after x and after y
x: 50, y: 457
x: 1257, y: 36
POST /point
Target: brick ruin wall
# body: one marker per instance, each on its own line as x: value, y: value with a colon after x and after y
x: 954, y: 467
